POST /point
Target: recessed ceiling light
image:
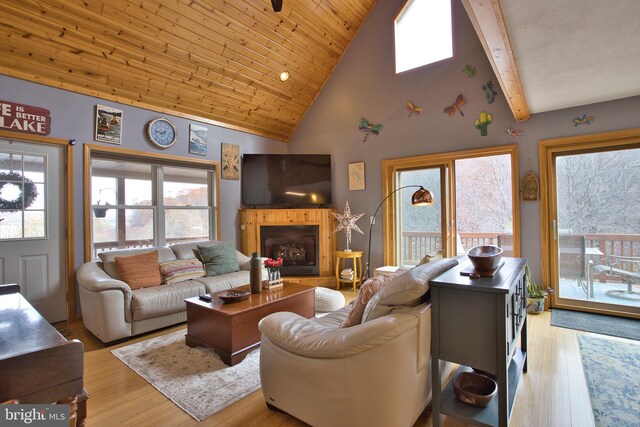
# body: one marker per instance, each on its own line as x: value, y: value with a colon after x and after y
x: 284, y: 76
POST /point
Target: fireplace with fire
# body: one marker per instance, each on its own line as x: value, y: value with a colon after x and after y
x: 297, y: 245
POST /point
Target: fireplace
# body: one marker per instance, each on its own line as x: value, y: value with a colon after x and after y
x: 297, y: 245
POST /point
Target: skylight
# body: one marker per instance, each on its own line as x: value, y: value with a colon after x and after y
x: 423, y: 33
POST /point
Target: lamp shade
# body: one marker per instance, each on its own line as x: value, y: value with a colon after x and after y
x: 422, y: 197
x: 277, y: 5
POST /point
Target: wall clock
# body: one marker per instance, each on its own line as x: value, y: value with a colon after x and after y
x: 162, y: 132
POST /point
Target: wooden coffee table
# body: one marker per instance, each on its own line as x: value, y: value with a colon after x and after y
x: 231, y: 329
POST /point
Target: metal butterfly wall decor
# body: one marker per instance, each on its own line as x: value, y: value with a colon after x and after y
x: 413, y: 108
x: 451, y: 111
x: 369, y: 128
x: 489, y: 93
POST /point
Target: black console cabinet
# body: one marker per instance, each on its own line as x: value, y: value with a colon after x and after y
x: 476, y: 323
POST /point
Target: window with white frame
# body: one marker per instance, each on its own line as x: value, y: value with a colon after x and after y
x: 23, y: 189
x: 423, y: 33
x: 139, y: 204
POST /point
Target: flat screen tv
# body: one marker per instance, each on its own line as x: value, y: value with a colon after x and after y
x: 286, y: 180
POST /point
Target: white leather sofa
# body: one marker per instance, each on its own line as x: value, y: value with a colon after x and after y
x: 111, y: 310
x: 377, y: 373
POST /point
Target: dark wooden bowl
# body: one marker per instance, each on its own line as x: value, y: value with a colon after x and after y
x: 485, y: 258
x: 234, y: 296
x: 474, y: 389
x: 485, y: 373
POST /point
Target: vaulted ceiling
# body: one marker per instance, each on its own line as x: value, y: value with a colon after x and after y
x: 218, y: 60
x: 549, y: 55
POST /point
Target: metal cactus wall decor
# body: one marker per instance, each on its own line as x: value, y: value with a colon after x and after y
x: 483, y: 122
x: 369, y: 128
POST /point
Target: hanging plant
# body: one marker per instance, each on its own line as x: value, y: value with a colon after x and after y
x: 27, y: 195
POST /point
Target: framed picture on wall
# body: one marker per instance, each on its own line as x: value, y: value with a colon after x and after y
x: 356, y: 176
x: 198, y: 140
x: 230, y: 161
x: 108, y: 124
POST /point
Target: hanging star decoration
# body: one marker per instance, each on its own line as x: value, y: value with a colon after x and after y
x: 347, y: 222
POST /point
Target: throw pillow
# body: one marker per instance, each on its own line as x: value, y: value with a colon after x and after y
x: 139, y: 271
x: 429, y: 258
x: 408, y: 289
x: 365, y: 293
x: 181, y: 270
x: 219, y: 259
x: 190, y: 250
x: 109, y: 258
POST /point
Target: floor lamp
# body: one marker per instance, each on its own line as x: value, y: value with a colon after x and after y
x: 422, y: 197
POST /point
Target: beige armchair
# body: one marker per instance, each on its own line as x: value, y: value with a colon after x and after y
x: 377, y: 373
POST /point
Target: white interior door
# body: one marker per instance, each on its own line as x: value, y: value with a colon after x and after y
x: 32, y: 237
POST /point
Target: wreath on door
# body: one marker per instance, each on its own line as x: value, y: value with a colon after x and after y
x: 28, y: 193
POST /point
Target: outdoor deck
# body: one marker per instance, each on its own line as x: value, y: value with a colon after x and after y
x: 570, y: 289
x: 597, y: 247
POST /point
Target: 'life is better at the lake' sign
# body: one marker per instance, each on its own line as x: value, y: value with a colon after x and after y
x: 24, y: 118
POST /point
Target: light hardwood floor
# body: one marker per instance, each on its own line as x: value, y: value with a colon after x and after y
x: 552, y: 393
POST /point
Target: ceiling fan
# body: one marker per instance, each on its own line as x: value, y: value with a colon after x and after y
x: 277, y: 5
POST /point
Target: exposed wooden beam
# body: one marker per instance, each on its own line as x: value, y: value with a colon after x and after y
x: 486, y: 17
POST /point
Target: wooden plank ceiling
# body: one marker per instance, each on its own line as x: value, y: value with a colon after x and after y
x: 213, y: 61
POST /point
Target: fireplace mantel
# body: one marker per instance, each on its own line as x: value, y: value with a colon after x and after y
x: 252, y: 219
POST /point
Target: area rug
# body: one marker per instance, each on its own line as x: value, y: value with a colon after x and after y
x: 612, y: 371
x: 195, y: 379
x: 596, y: 323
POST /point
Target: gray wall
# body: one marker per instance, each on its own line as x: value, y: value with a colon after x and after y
x: 364, y: 85
x: 72, y: 116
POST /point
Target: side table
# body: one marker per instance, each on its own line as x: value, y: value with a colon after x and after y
x: 356, y: 259
x: 476, y: 323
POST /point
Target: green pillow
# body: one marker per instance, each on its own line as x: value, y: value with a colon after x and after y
x: 219, y: 259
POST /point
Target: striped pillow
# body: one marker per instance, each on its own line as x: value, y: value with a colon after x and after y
x: 180, y: 270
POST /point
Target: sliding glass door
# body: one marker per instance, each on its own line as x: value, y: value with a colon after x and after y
x: 484, y: 202
x: 476, y: 194
x: 594, y: 238
x: 421, y: 227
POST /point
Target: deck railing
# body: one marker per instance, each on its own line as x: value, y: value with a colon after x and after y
x: 137, y: 244
x: 416, y: 245
x: 627, y: 245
